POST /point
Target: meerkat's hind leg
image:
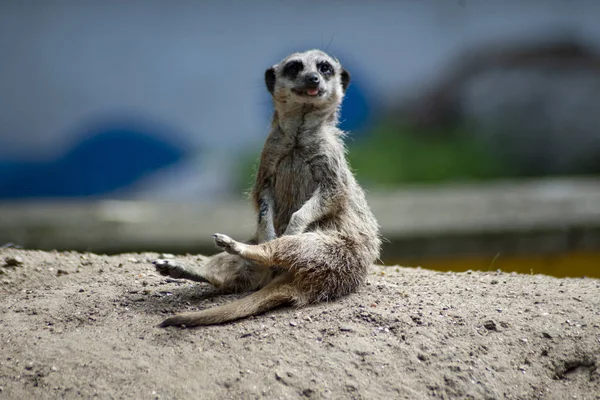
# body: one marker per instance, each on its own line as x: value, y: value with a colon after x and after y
x: 255, y: 253
x: 177, y: 270
x: 228, y: 244
x: 227, y: 272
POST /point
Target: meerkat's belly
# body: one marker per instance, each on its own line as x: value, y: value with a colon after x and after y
x: 293, y: 186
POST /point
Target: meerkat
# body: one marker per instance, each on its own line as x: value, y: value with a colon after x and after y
x: 316, y: 235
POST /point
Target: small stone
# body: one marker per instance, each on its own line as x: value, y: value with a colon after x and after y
x: 546, y: 335
x: 524, y: 340
x: 54, y: 369
x: 61, y: 272
x: 81, y: 290
x: 346, y: 329
x: 29, y: 366
x: 490, y: 325
x: 292, y: 323
x: 13, y: 261
x: 166, y: 256
x: 134, y: 260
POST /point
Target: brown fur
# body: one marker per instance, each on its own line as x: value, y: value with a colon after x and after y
x: 316, y: 235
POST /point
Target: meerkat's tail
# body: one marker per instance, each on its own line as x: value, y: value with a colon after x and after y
x: 265, y: 299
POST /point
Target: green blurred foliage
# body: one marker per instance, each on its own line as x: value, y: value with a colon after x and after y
x: 390, y: 156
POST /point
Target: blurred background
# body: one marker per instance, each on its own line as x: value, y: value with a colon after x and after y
x: 130, y: 126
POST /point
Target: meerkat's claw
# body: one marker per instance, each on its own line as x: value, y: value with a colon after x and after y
x: 226, y: 243
x: 169, y: 268
x: 179, y: 271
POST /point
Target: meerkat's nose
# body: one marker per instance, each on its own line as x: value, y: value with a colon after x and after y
x: 312, y: 79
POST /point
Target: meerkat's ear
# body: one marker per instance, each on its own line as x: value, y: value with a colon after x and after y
x: 345, y: 75
x: 270, y: 79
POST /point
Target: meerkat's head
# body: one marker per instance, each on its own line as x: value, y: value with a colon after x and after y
x: 312, y: 77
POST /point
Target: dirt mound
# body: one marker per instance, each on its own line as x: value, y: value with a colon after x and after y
x: 83, y: 325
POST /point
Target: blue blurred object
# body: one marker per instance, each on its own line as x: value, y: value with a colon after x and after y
x: 109, y: 158
x: 356, y: 112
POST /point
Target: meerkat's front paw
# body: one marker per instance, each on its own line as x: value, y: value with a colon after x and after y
x: 226, y: 243
x: 169, y: 268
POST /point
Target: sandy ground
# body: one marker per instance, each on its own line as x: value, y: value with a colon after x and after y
x: 82, y: 325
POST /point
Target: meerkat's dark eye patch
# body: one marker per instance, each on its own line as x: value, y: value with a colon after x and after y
x: 345, y: 79
x: 270, y: 79
x: 325, y: 68
x: 292, y: 69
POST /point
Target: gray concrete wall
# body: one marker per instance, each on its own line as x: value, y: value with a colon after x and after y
x: 190, y: 64
x: 537, y: 217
